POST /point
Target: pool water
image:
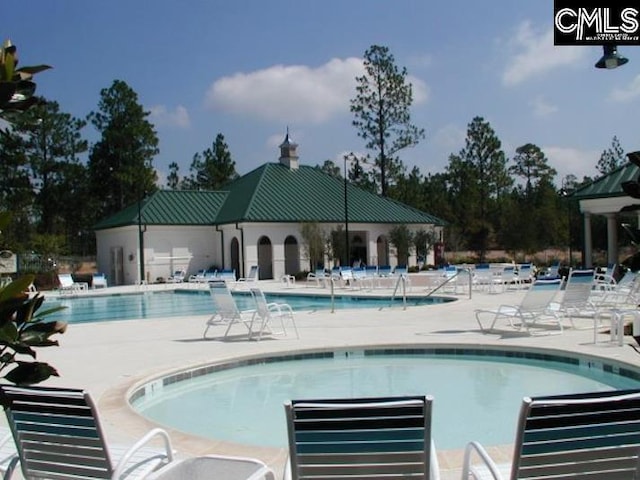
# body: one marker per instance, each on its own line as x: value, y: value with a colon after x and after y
x: 180, y: 303
x: 475, y: 397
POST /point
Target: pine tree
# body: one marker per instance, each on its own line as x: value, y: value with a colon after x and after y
x: 121, y: 162
x: 213, y: 168
x: 611, y: 158
x: 381, y: 109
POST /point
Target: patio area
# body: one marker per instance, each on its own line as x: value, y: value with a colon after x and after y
x: 111, y: 358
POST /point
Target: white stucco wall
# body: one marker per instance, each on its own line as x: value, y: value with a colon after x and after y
x: 166, y: 249
x: 171, y: 248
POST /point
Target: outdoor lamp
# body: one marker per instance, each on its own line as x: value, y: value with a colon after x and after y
x: 611, y: 59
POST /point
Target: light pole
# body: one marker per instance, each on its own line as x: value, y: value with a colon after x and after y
x: 141, y: 238
x: 346, y: 212
x: 565, y: 192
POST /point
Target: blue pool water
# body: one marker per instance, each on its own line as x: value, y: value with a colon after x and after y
x: 476, y: 396
x: 180, y: 303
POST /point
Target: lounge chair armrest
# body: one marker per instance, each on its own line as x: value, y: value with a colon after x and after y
x: 484, y: 456
x: 286, y: 475
x: 279, y: 307
x: 156, y: 432
x: 263, y: 473
x: 11, y: 467
x: 435, y: 465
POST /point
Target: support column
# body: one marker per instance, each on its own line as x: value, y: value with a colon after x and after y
x: 588, y: 243
x: 612, y: 238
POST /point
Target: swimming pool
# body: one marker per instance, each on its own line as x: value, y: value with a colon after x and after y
x: 477, y: 392
x: 181, y: 303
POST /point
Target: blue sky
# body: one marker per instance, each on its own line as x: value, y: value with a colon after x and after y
x: 250, y: 69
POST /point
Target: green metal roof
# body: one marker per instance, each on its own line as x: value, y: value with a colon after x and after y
x: 170, y: 207
x: 609, y: 185
x: 275, y: 193
x: 272, y: 193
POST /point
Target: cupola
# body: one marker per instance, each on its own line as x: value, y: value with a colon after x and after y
x: 288, y: 153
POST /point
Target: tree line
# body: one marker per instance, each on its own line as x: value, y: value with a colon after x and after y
x: 57, y: 184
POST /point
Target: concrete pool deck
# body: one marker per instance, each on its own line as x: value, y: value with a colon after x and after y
x: 110, y: 358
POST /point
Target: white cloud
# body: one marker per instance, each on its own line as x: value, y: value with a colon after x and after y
x: 419, y: 89
x: 296, y: 93
x: 631, y: 92
x: 535, y: 54
x: 178, y: 118
x: 449, y: 138
x: 567, y: 160
x: 542, y: 108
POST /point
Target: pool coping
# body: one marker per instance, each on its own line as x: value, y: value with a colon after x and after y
x: 449, y: 459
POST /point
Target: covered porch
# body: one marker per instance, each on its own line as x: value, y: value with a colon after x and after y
x: 607, y: 197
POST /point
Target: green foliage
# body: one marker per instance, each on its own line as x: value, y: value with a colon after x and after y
x: 478, y: 179
x: 17, y: 87
x: 121, y: 162
x: 314, y: 243
x: 410, y: 190
x: 381, y: 111
x: 212, y: 169
x: 23, y: 328
x: 423, y: 242
x: 611, y: 158
x: 531, y: 165
x: 330, y: 168
x: 402, y: 239
x: 173, y: 179
x: 51, y: 143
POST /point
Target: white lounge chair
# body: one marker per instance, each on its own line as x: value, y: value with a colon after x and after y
x: 553, y: 271
x: 534, y: 309
x: 508, y: 277
x: 319, y: 276
x: 198, y: 277
x: 177, y: 277
x: 226, y: 274
x: 361, y: 279
x: 589, y: 435
x: 525, y: 274
x: 605, y: 280
x: 363, y: 438
x: 205, y: 276
x: 576, y: 299
x: 57, y: 434
x: 226, y: 311
x: 223, y: 467
x: 252, y: 277
x: 8, y: 454
x: 68, y: 285
x: 335, y: 274
x: 346, y: 277
x: 484, y: 278
x: 267, y: 313
x: 384, y: 271
x: 99, y: 280
x: 401, y: 272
